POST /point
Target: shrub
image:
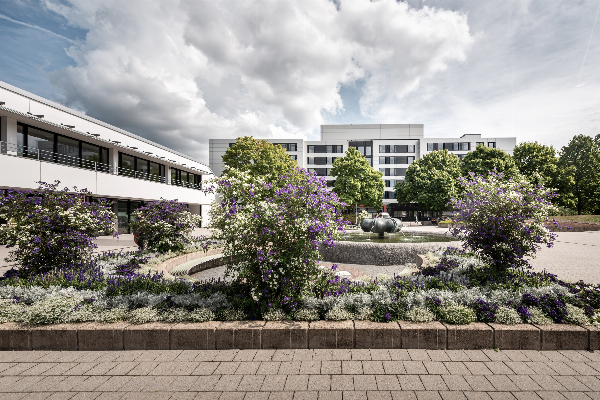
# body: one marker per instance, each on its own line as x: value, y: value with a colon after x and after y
x: 275, y: 315
x: 51, y: 228
x: 576, y: 316
x: 485, y: 311
x: 306, y: 314
x: 507, y: 316
x: 53, y: 310
x: 457, y: 315
x: 419, y: 314
x: 538, y: 317
x: 202, y: 315
x: 164, y: 225
x: 553, y: 305
x: 144, y: 315
x: 338, y: 314
x: 502, y: 220
x: 274, y: 230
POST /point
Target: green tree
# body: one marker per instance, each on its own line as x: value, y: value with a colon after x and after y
x: 356, y: 181
x: 483, y: 160
x: 582, y: 154
x: 258, y: 158
x: 431, y: 180
x: 539, y: 164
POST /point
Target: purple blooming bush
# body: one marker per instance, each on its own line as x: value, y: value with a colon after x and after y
x: 51, y: 228
x: 164, y: 225
x: 503, y: 221
x: 274, y: 229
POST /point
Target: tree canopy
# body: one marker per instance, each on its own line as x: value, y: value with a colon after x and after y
x: 356, y: 181
x: 258, y: 158
x: 539, y: 164
x: 582, y: 154
x: 431, y: 180
x: 483, y: 160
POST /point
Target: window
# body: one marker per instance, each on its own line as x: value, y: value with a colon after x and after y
x: 432, y: 146
x: 461, y: 156
x: 155, y: 171
x: 479, y: 143
x: 464, y: 146
x: 384, y: 148
x: 67, y: 150
x: 399, y: 171
x: 389, y: 195
x: 320, y: 171
x: 40, y: 141
x: 288, y: 146
x: 335, y: 149
x: 317, y: 149
x: 186, y: 179
x: 330, y: 183
x: 385, y: 171
x: 391, y: 183
x: 294, y: 157
x: 492, y: 145
x: 231, y: 144
x: 399, y: 148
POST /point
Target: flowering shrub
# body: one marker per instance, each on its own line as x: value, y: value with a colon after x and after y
x: 164, y: 225
x: 51, y: 228
x: 507, y: 316
x: 274, y: 230
x: 503, y: 221
x: 457, y: 315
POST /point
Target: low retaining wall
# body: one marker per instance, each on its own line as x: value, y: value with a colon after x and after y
x: 168, y: 265
x: 379, y: 253
x: 297, y: 335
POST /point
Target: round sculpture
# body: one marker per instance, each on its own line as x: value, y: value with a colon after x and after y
x: 382, y: 224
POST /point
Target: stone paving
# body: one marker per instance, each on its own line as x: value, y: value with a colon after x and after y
x: 301, y: 374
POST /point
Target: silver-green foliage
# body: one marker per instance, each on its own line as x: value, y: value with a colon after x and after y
x: 507, y: 316
x: 457, y: 315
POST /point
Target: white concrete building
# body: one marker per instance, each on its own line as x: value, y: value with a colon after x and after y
x: 390, y: 148
x: 44, y: 141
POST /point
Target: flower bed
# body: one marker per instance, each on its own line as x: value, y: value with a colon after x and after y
x: 455, y: 288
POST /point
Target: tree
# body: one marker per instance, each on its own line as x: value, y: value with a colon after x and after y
x: 484, y: 160
x: 431, y: 180
x: 539, y: 164
x: 356, y: 181
x: 583, y: 155
x: 502, y: 220
x: 258, y: 158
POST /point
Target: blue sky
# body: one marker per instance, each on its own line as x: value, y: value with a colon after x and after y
x: 181, y: 72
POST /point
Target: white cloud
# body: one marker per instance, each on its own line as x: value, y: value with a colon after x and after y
x: 180, y: 72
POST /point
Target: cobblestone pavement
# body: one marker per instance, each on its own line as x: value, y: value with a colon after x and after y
x: 300, y: 374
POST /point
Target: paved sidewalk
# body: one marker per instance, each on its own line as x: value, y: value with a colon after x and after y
x: 300, y: 374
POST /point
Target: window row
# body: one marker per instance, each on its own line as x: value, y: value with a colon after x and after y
x: 320, y: 160
x: 396, y: 160
x: 325, y: 148
x: 393, y: 171
x: 462, y: 146
x: 288, y: 146
x: 396, y: 148
x: 389, y: 195
x: 184, y: 178
x: 140, y: 168
x: 49, y: 146
x: 320, y: 171
x: 364, y: 148
x: 392, y: 182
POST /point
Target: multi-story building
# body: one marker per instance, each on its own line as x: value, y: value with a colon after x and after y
x: 390, y: 148
x: 44, y: 141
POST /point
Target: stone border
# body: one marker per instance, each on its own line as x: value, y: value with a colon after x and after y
x: 215, y: 335
x: 167, y: 265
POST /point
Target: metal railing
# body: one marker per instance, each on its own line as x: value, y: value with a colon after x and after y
x: 11, y: 149
x: 188, y: 185
x: 35, y: 153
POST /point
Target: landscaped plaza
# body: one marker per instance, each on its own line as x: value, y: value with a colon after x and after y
x: 291, y: 199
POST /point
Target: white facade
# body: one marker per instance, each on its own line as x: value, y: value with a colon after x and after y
x: 44, y: 141
x: 391, y: 148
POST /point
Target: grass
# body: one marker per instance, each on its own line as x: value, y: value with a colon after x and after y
x: 593, y: 219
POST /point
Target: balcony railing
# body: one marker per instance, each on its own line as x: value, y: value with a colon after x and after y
x: 11, y: 149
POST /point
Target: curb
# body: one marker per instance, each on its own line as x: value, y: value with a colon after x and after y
x: 215, y: 335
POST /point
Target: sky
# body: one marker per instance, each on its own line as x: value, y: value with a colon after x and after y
x: 179, y: 72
